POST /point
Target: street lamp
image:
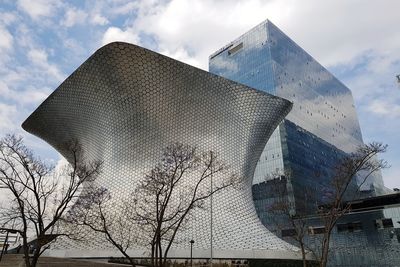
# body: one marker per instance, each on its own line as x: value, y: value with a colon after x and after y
x: 211, y: 220
x: 191, y: 252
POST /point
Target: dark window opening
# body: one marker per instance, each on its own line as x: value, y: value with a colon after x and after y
x: 235, y: 49
x: 387, y: 223
x: 288, y: 232
x: 384, y: 223
x: 342, y: 227
x: 316, y: 230
x: 354, y: 227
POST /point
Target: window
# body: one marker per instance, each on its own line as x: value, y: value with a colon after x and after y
x: 288, y: 232
x: 235, y: 49
x: 383, y: 223
x: 341, y: 227
x: 316, y: 230
x: 387, y: 223
x: 354, y: 227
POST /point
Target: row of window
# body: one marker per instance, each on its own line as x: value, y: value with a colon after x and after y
x: 341, y: 227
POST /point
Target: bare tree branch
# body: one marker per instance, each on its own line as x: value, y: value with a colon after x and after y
x: 39, y: 197
x: 161, y: 205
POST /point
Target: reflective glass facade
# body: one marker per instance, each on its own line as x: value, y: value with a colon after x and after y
x: 322, y: 125
x: 370, y: 237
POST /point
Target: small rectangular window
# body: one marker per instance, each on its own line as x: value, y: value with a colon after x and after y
x: 288, y: 232
x: 387, y: 223
x: 235, y: 49
x: 384, y: 223
x: 357, y: 226
x: 316, y: 230
x: 341, y: 227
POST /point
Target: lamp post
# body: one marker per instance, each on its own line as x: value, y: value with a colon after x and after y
x: 211, y: 220
x: 191, y: 252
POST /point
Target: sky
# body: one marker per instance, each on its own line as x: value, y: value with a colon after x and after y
x: 43, y: 41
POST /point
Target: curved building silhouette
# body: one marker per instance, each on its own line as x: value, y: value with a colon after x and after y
x: 125, y: 104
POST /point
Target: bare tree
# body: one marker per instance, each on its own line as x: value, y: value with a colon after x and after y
x: 39, y: 196
x: 172, y: 190
x: 363, y: 163
x: 160, y: 206
x: 93, y: 211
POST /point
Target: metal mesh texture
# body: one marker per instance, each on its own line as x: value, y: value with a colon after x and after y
x: 125, y: 104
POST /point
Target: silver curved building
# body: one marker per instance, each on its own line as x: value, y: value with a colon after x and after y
x: 125, y: 104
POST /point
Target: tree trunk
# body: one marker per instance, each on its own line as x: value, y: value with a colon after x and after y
x: 152, y: 253
x: 325, y: 249
x: 36, y: 255
x: 131, y: 262
x: 26, y: 252
x: 303, y: 254
x: 160, y: 255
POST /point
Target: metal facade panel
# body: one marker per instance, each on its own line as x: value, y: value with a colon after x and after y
x: 125, y: 104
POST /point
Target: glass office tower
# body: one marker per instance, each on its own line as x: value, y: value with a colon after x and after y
x: 322, y: 126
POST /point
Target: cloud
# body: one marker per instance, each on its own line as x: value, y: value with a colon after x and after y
x: 346, y: 39
x: 8, y: 115
x: 128, y: 7
x: 385, y: 107
x: 363, y: 52
x: 347, y: 30
x: 113, y: 34
x: 202, y: 26
x: 98, y: 19
x: 391, y: 178
x: 30, y: 95
x: 74, y: 16
x: 38, y: 8
x: 39, y: 58
x: 8, y: 18
x: 6, y: 40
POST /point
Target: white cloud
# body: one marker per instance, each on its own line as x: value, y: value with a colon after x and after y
x: 32, y: 96
x: 5, y: 92
x: 73, y: 16
x: 201, y: 27
x: 114, y: 34
x: 39, y: 58
x: 38, y: 8
x: 182, y: 55
x: 8, y: 115
x: 6, y: 40
x: 385, y: 107
x: 340, y: 34
x: 98, y: 19
x: 338, y: 31
x: 29, y: 96
x: 335, y: 33
x: 7, y: 18
x: 125, y: 8
x: 392, y: 174
x: 24, y: 36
